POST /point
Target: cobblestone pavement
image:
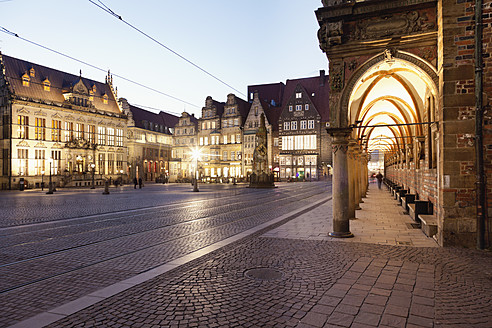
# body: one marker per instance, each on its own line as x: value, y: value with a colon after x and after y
x: 269, y: 280
x: 49, y: 263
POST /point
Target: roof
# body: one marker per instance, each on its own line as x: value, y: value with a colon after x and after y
x: 268, y: 92
x: 143, y: 118
x: 317, y: 88
x: 61, y: 82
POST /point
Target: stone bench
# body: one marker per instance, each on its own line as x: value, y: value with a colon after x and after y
x: 408, y: 199
x: 419, y: 207
x: 394, y: 190
x: 400, y: 194
x: 428, y: 224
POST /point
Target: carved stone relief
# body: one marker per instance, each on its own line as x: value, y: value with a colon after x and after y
x: 389, y: 25
x: 330, y: 34
x: 337, y: 76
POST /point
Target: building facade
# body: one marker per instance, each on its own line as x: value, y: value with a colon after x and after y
x: 150, y: 143
x: 184, y: 143
x: 410, y: 79
x: 58, y: 126
x: 250, y: 129
x: 303, y: 141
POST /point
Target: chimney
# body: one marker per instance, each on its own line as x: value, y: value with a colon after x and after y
x: 322, y: 78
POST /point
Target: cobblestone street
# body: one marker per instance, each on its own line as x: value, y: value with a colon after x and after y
x: 244, y: 264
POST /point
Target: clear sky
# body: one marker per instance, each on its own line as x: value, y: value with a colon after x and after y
x: 240, y: 42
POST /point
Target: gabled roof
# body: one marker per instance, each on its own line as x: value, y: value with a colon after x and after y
x: 61, y: 82
x: 210, y: 103
x: 143, y: 118
x: 317, y: 89
x: 273, y: 114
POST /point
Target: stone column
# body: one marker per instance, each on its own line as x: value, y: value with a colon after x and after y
x: 353, y: 178
x: 360, y: 173
x: 340, y: 183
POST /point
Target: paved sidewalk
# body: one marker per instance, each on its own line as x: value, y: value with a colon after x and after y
x: 380, y: 221
x: 295, y: 276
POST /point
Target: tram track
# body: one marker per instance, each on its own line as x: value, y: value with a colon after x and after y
x: 216, y: 227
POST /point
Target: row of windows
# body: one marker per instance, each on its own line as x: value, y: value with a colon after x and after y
x: 215, y: 140
x: 298, y: 107
x: 298, y: 160
x: 299, y: 142
x: 292, y: 125
x: 225, y: 124
x: 71, y: 131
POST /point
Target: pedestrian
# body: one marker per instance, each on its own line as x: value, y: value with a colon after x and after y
x: 139, y: 183
x: 379, y: 176
x: 135, y: 183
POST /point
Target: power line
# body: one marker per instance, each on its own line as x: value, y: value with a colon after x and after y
x: 6, y: 31
x: 112, y: 13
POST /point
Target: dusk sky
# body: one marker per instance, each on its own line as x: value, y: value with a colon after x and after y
x: 240, y: 42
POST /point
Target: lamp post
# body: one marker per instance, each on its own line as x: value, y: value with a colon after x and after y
x: 196, y: 155
x: 42, y: 180
x: 93, y: 166
x: 310, y: 172
x: 121, y: 176
x: 50, y: 186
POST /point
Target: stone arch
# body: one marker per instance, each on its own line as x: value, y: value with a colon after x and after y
x: 413, y: 60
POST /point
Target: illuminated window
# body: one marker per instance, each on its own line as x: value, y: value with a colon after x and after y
x: 23, y: 155
x: 293, y: 125
x: 69, y: 132
x: 119, y: 137
x: 91, y: 136
x: 286, y: 125
x: 303, y: 125
x: 25, y: 80
x: 311, y: 124
x: 105, y: 99
x: 23, y: 129
x: 32, y: 72
x: 46, y: 85
x: 110, y: 132
x: 55, y: 130
x: 290, y: 108
x: 306, y: 107
x: 102, y: 163
x: 298, y: 95
x: 39, y: 161
x: 225, y: 140
x: 79, y: 131
x: 298, y: 107
x: 40, y: 128
x: 56, y: 161
x: 233, y: 139
x: 101, y: 135
x: 91, y: 95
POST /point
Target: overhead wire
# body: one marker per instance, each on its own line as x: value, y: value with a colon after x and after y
x: 6, y: 31
x: 105, y: 8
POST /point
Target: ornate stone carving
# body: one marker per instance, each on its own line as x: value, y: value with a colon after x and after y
x: 389, y: 25
x: 342, y: 147
x: 337, y: 76
x: 330, y: 34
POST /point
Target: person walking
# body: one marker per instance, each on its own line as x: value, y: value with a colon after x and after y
x: 135, y: 183
x: 139, y: 183
x: 379, y: 176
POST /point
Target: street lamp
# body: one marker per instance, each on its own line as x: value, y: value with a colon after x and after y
x: 121, y: 176
x: 42, y: 180
x: 195, y: 154
x: 50, y: 186
x: 310, y: 172
x: 93, y: 166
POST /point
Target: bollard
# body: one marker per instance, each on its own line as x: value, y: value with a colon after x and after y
x: 106, y: 188
x: 50, y: 190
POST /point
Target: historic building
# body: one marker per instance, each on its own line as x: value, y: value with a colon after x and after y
x: 303, y: 141
x: 408, y: 78
x: 57, y: 124
x: 184, y: 143
x: 150, y: 142
x: 251, y: 126
x: 220, y: 138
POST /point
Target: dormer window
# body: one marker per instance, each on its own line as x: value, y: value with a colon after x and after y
x: 91, y: 95
x: 105, y: 99
x: 32, y: 72
x: 94, y: 88
x: 46, y: 84
x: 298, y: 95
x: 25, y: 80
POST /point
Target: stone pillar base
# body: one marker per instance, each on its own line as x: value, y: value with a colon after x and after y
x: 341, y: 234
